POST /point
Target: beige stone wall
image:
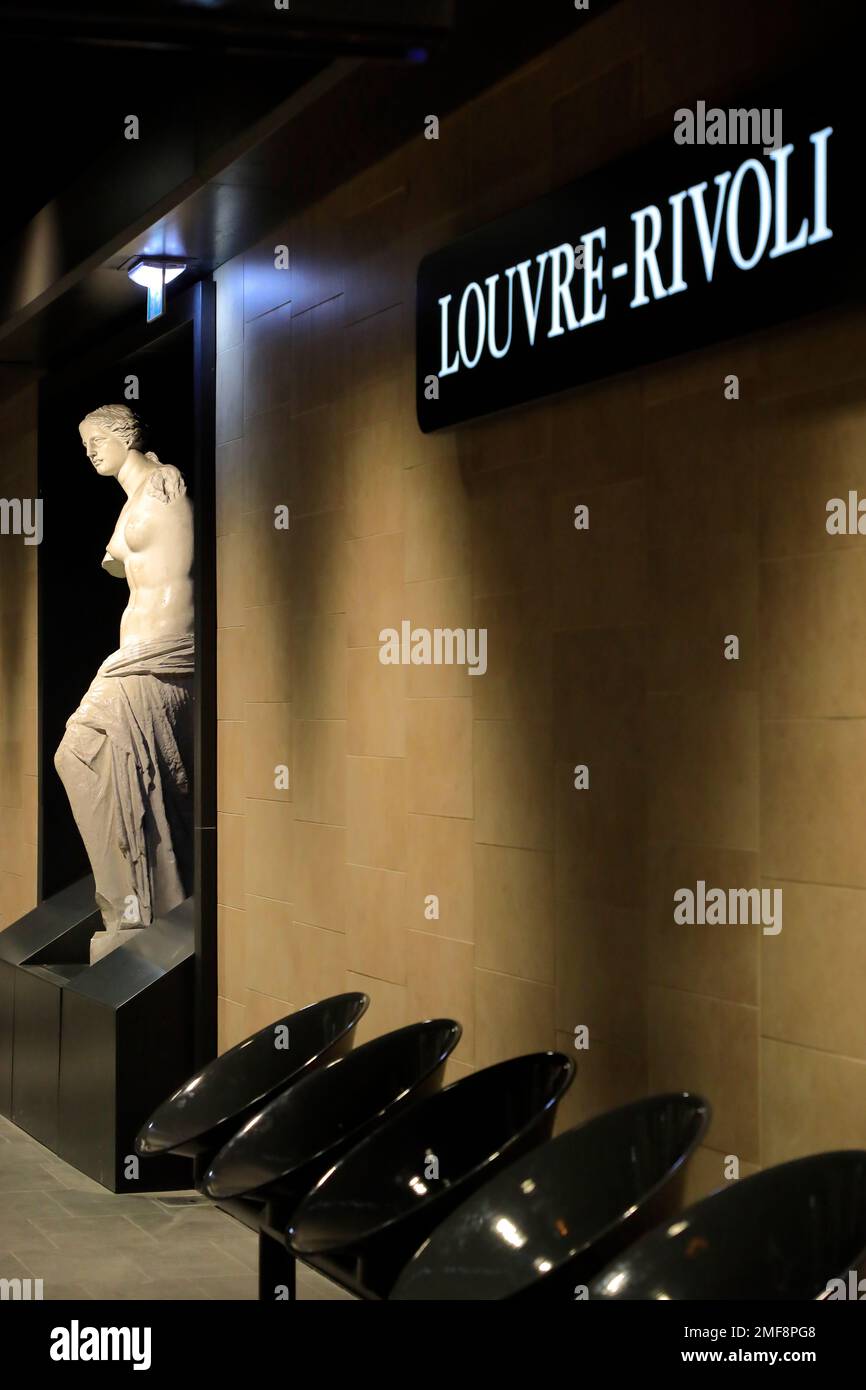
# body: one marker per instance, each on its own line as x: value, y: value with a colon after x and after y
x: 605, y: 647
x: 18, y: 748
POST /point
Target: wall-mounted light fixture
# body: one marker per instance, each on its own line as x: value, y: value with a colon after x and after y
x: 154, y: 273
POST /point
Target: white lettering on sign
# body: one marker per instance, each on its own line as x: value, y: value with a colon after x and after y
x: 489, y: 323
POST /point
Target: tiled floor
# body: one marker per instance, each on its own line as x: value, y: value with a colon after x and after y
x: 85, y: 1243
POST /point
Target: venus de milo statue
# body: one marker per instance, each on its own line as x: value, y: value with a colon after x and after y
x: 126, y: 757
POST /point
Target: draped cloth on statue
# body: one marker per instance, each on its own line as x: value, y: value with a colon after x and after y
x: 126, y: 763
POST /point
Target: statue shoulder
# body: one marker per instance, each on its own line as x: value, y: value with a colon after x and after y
x: 165, y: 484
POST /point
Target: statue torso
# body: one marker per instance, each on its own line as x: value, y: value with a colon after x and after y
x: 152, y: 548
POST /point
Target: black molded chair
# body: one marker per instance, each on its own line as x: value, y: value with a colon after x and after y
x: 558, y: 1215
x: 203, y: 1113
x: 781, y: 1234
x: 280, y: 1154
x: 368, y: 1216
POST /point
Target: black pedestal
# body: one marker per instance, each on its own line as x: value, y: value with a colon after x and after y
x: 87, y: 1052
x: 36, y: 1050
x: 65, y: 924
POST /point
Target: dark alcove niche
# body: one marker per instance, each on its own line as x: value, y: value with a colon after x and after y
x: 80, y: 603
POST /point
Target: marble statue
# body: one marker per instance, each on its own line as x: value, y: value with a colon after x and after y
x: 126, y: 757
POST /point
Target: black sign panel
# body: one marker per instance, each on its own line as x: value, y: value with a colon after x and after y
x: 678, y: 246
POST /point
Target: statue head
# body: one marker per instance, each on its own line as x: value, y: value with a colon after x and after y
x: 108, y: 434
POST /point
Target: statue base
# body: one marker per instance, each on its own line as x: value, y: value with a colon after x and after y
x: 87, y: 1052
x: 104, y: 941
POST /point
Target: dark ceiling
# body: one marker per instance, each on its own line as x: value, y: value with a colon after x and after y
x: 242, y: 108
x: 70, y: 113
x: 259, y: 28
x: 76, y: 70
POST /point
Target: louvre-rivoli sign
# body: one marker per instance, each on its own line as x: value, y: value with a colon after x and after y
x: 668, y: 250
